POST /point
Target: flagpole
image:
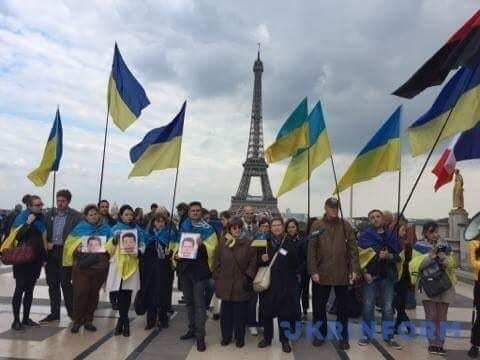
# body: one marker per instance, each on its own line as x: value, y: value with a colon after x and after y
x: 351, y: 202
x: 175, y: 188
x: 437, y: 140
x: 338, y: 192
x: 103, y: 155
x: 53, y: 189
x: 397, y: 222
x: 308, y: 190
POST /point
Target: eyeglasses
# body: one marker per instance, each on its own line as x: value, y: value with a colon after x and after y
x: 235, y: 227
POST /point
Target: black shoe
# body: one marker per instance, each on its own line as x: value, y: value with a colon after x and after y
x: 317, y: 342
x: 188, y: 335
x: 286, y: 348
x: 441, y: 351
x: 264, y: 343
x: 119, y: 327
x: 75, y: 328
x: 90, y: 327
x: 17, y: 326
x: 163, y: 324
x: 29, y: 322
x: 240, y: 343
x: 343, y: 345
x: 50, y: 318
x: 225, y: 342
x: 201, y: 347
x: 126, y: 329
x: 149, y: 326
x: 473, y: 352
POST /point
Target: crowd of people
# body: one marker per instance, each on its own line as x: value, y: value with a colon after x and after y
x: 379, y: 266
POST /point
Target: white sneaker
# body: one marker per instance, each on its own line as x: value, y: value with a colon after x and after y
x: 253, y: 330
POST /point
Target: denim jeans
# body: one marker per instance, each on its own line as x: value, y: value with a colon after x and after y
x: 194, y: 293
x: 386, y: 289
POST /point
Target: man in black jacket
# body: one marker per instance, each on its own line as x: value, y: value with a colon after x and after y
x: 195, y: 275
x: 59, y: 222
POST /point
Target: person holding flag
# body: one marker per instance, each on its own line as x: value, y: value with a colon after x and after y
x: 196, y: 273
x: 381, y: 273
x: 156, y: 269
x: 89, y: 270
x: 29, y: 230
x: 123, y: 275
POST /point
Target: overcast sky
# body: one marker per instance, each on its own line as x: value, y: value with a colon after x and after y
x: 350, y: 54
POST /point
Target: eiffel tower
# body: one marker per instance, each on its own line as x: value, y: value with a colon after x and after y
x: 255, y: 165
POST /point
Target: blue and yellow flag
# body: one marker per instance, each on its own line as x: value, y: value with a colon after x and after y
x: 306, y: 160
x: 459, y: 99
x: 292, y: 137
x: 74, y: 239
x: 20, y: 220
x: 125, y: 97
x: 381, y: 154
x: 207, y: 234
x: 51, y: 155
x: 160, y: 148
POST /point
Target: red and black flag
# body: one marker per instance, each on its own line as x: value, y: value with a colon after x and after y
x: 462, y: 49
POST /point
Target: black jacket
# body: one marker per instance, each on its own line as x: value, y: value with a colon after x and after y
x: 197, y: 269
x: 31, y: 236
x: 279, y: 300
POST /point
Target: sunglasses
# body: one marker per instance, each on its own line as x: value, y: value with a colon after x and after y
x: 37, y: 205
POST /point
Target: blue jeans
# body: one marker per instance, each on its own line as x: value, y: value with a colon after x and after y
x: 386, y: 288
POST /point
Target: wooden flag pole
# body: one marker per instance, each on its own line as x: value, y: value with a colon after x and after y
x: 103, y: 155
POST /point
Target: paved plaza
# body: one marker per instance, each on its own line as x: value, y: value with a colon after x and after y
x: 54, y: 341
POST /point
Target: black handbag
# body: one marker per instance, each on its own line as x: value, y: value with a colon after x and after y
x: 434, y: 279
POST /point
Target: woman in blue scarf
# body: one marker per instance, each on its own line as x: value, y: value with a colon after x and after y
x: 123, y: 275
x: 156, y: 270
x: 90, y: 266
x: 28, y: 229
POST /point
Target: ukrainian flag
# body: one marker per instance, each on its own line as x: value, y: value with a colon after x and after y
x: 381, y: 154
x: 306, y: 160
x: 160, y: 148
x: 462, y: 94
x: 125, y: 97
x: 51, y: 155
x: 291, y: 137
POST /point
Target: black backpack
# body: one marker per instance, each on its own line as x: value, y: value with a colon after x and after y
x: 434, y: 279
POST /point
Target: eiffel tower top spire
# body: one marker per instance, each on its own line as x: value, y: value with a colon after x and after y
x: 255, y: 141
